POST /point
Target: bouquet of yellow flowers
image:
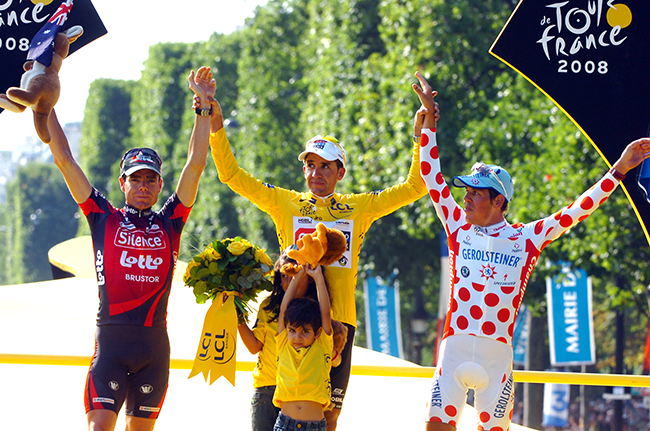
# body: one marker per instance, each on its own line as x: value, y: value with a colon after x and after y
x: 232, y: 264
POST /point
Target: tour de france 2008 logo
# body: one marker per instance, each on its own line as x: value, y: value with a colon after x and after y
x: 596, y: 27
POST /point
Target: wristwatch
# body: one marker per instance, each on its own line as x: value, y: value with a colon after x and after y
x: 203, y: 112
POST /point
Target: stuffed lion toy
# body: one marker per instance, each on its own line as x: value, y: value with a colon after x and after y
x: 324, y: 246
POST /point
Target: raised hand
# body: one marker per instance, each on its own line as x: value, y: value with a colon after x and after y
x: 429, y: 114
x: 636, y: 152
x: 202, y: 83
x: 315, y: 271
x: 425, y: 93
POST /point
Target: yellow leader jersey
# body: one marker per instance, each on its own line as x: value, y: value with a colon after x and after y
x: 296, y: 214
x: 264, y: 372
x: 304, y: 374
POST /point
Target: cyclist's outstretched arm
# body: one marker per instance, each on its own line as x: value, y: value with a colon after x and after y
x: 203, y: 85
x: 75, y: 178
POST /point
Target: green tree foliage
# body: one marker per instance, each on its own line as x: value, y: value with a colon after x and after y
x: 106, y: 123
x: 164, y: 121
x: 214, y: 214
x: 5, y: 245
x: 345, y: 68
x: 361, y: 91
x: 271, y: 96
x: 342, y: 36
x: 43, y: 215
x: 12, y: 246
x: 162, y: 118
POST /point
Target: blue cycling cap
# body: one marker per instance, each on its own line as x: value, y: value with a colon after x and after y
x: 487, y: 176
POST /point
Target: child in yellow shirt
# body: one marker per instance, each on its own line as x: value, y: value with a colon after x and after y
x: 304, y: 345
x: 261, y: 340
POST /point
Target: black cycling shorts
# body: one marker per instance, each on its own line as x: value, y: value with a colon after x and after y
x: 131, y: 363
x: 340, y: 376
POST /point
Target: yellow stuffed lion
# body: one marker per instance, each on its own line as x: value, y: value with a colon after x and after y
x: 324, y: 246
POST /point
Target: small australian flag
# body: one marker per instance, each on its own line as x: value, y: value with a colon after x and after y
x: 42, y: 46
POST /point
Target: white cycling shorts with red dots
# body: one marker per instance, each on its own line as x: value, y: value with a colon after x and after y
x: 479, y: 363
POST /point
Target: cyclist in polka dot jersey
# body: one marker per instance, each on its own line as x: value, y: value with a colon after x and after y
x: 490, y: 264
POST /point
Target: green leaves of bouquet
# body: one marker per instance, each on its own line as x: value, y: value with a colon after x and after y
x: 232, y: 264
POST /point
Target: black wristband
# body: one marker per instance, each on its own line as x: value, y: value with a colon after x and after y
x: 203, y: 112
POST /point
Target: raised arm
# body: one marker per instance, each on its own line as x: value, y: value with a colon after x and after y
x: 323, y: 296
x: 216, y: 120
x: 550, y: 228
x: 75, y: 178
x: 204, y: 86
x: 288, y: 296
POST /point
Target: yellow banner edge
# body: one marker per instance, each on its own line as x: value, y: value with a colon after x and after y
x: 629, y: 198
x: 415, y: 371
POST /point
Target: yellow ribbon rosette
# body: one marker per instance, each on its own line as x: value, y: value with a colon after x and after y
x: 216, y: 354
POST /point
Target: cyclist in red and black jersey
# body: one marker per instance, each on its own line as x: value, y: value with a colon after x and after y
x: 136, y: 249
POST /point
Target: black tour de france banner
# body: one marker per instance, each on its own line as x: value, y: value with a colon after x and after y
x: 591, y: 57
x: 20, y: 20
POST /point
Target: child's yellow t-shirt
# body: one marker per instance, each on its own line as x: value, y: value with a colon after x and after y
x: 304, y: 375
x: 264, y: 372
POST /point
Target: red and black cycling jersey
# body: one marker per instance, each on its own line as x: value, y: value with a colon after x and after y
x: 135, y: 257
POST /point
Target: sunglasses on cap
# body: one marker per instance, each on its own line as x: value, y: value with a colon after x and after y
x: 484, y: 169
x: 140, y: 158
x: 146, y: 151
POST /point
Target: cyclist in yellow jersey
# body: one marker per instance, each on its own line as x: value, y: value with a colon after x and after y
x: 297, y: 213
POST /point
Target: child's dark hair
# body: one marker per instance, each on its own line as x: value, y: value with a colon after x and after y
x: 275, y: 299
x: 303, y: 311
